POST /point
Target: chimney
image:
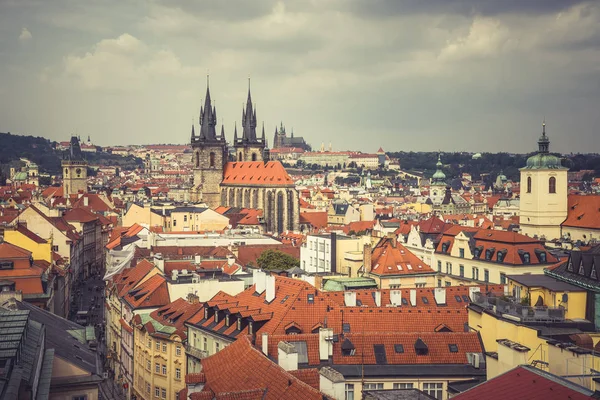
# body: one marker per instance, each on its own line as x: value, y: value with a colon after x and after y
x: 193, y: 298
x: 325, y: 343
x: 350, y: 299
x: 413, y: 297
x: 230, y: 261
x: 86, y: 201
x: 393, y: 239
x: 377, y: 295
x: 270, y: 287
x: 367, y: 258
x: 287, y: 356
x: 472, y: 291
x: 265, y: 343
x: 396, y: 297
x: 159, y: 262
x: 197, y: 259
x: 440, y: 295
x: 260, y: 281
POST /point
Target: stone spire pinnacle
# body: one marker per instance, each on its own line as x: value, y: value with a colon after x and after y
x: 263, y: 131
x: 208, y: 117
x: 235, y: 136
x: 249, y: 120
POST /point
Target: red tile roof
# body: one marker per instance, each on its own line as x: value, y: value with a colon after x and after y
x: 316, y: 219
x: 174, y: 314
x: 256, y: 173
x: 239, y: 367
x: 583, y: 212
x: 358, y: 226
x: 130, y: 277
x: 149, y: 294
x: 438, y: 344
x: 80, y: 215
x: 10, y: 251
x: 526, y: 383
x: 310, y: 376
x: 394, y: 259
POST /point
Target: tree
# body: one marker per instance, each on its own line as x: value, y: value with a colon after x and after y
x: 273, y: 259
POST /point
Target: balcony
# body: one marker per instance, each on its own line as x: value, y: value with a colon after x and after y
x: 194, y: 352
x: 508, y: 307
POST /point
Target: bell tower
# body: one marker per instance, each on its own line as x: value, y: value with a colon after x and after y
x: 543, y: 197
x: 209, y: 153
x: 74, y: 169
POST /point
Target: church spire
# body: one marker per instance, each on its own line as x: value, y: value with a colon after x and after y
x: 193, y: 133
x: 235, y: 137
x: 263, y: 131
x: 249, y: 120
x: 544, y: 142
x: 208, y: 117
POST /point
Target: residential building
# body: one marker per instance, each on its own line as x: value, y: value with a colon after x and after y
x: 159, y: 340
x: 393, y: 266
x: 483, y: 255
x: 331, y: 253
x: 583, y: 219
x: 342, y: 213
x: 195, y: 219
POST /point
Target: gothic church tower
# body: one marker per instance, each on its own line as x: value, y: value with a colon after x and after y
x: 74, y: 170
x: 209, y: 155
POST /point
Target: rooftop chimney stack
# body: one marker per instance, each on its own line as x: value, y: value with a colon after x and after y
x: 396, y: 297
x: 270, y: 287
x: 287, y: 355
x: 367, y: 258
x: 350, y: 299
x: 440, y: 295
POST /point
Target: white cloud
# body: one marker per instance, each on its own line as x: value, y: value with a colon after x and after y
x: 25, y: 35
x: 124, y: 64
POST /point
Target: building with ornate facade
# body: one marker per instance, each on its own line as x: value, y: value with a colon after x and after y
x: 248, y: 181
x: 281, y: 140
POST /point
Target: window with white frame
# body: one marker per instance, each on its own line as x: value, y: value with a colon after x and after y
x: 156, y: 391
x: 373, y: 386
x: 349, y: 391
x: 403, y: 385
x: 164, y: 347
x: 178, y: 351
x: 164, y: 369
x: 435, y: 390
x: 177, y: 373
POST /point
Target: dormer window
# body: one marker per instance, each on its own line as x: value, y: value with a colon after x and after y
x: 227, y: 320
x: 526, y: 258
x: 570, y: 266
x: 581, y: 270
x: 489, y: 253
x: 216, y: 317
x: 421, y: 348
x: 500, y: 255
x: 250, y: 328
x: 206, y: 313
x: 445, y: 246
x: 593, y: 273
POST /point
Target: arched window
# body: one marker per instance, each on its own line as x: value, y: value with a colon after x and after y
x: 197, y: 159
x: 552, y: 185
x: 212, y: 159
x: 528, y: 184
x: 253, y: 156
x: 240, y: 156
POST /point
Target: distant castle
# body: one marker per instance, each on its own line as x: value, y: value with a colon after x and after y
x: 280, y: 140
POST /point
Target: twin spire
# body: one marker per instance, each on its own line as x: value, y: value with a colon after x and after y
x: 208, y: 122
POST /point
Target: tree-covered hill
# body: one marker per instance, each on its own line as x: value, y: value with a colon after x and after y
x: 43, y: 152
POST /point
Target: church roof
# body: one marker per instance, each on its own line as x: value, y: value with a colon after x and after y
x: 543, y: 159
x: 256, y: 173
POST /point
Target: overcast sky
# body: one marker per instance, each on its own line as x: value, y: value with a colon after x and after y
x: 402, y: 74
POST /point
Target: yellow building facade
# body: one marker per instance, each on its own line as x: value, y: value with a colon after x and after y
x: 159, y: 361
x: 41, y: 249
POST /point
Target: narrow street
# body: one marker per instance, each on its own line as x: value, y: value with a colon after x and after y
x: 89, y: 296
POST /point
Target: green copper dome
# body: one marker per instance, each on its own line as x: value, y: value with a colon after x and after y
x: 543, y: 159
x: 439, y: 177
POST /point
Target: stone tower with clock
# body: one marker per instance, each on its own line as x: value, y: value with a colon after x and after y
x: 74, y: 170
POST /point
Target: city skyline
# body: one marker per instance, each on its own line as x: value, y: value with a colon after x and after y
x: 463, y: 75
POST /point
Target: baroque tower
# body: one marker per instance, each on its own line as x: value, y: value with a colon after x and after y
x: 209, y: 153
x: 249, y: 147
x: 543, y: 198
x: 74, y: 170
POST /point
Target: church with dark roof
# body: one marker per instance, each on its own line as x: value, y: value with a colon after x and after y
x: 282, y: 140
x: 247, y: 180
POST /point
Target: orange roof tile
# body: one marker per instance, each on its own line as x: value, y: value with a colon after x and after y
x: 240, y: 367
x: 258, y: 173
x: 149, y: 294
x: 583, y: 211
x: 392, y: 258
